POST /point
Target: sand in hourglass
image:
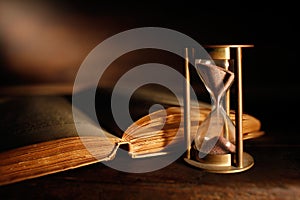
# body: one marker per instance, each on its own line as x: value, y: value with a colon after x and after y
x: 217, y: 145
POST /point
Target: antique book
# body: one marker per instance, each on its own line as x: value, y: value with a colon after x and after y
x: 39, y: 136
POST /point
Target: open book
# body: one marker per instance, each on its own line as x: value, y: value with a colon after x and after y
x: 39, y: 137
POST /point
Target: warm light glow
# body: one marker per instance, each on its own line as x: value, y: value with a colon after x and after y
x: 42, y: 43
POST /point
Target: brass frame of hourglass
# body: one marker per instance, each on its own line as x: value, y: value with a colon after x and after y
x: 225, y: 163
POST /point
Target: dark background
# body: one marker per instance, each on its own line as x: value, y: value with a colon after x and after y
x: 46, y: 41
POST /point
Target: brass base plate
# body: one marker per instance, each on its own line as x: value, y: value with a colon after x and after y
x: 248, y: 162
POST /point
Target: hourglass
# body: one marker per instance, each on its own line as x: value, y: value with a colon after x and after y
x: 216, y: 134
x: 218, y: 143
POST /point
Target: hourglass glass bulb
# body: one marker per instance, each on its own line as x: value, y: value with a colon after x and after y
x: 210, y: 137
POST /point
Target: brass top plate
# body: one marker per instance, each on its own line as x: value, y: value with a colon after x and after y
x: 228, y: 45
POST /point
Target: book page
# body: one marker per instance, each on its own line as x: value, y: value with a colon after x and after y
x: 39, y: 137
x: 160, y: 131
x: 29, y: 120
